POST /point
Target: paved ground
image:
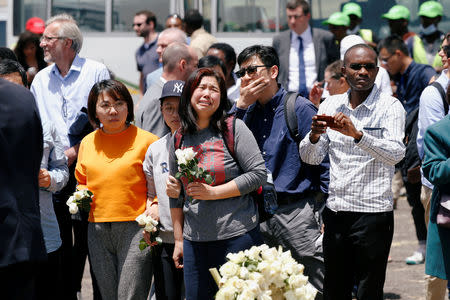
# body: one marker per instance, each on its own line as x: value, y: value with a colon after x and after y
x: 402, y: 281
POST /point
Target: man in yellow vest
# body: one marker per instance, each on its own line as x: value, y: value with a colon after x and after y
x: 398, y: 18
x: 354, y: 12
x: 338, y: 24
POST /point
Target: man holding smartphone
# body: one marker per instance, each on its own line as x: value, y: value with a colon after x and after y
x: 363, y: 147
x: 296, y: 223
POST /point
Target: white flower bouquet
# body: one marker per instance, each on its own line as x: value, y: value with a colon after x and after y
x: 80, y: 200
x: 150, y: 225
x: 188, y: 167
x: 262, y: 273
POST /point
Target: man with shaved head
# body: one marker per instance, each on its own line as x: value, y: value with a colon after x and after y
x: 363, y: 136
x: 179, y: 61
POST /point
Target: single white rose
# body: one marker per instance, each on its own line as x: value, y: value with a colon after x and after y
x: 265, y: 295
x: 306, y: 292
x: 229, y: 269
x: 73, y: 208
x: 243, y: 273
x: 226, y: 293
x: 189, y: 154
x: 141, y: 219
x: 78, y: 195
x: 296, y: 281
x: 149, y: 227
x: 180, y: 157
x: 237, y: 258
x: 70, y: 200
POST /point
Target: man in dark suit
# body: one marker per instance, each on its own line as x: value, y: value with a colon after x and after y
x: 21, y: 239
x: 304, y: 52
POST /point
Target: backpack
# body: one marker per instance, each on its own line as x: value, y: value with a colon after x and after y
x: 443, y: 96
x: 290, y: 117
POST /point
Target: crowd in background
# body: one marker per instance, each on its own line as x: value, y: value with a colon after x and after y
x: 332, y: 123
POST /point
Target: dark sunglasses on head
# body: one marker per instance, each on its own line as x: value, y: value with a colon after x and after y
x: 357, y: 67
x: 250, y: 70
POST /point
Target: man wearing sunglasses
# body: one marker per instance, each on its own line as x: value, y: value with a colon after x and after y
x: 363, y: 143
x: 144, y: 24
x: 296, y: 224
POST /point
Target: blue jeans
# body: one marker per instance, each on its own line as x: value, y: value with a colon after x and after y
x: 199, y: 257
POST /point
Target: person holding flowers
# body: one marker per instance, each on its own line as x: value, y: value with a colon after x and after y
x: 168, y: 280
x: 211, y: 220
x: 110, y: 166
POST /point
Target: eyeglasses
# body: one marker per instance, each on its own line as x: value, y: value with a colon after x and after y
x: 384, y: 61
x: 296, y: 17
x: 118, y: 106
x: 368, y: 67
x: 169, y: 110
x: 137, y: 24
x: 51, y: 38
x: 250, y: 70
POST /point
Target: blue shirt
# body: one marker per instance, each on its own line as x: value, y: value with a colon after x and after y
x: 60, y: 99
x: 412, y: 83
x: 279, y: 150
x: 147, y: 60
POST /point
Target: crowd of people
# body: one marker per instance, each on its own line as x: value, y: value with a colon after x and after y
x: 325, y: 121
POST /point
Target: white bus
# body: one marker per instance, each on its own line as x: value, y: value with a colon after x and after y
x: 109, y: 38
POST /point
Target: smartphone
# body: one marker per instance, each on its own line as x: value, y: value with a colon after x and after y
x: 328, y: 119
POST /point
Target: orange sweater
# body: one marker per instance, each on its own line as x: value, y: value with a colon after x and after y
x: 110, y: 166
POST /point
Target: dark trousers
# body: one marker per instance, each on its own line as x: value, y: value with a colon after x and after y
x: 199, y: 257
x: 49, y: 282
x: 18, y: 281
x: 73, y: 251
x: 169, y: 284
x: 356, y: 246
x: 418, y: 211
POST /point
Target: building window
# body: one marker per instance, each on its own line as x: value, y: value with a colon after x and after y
x: 246, y: 16
x: 25, y: 9
x: 124, y: 10
x: 89, y: 14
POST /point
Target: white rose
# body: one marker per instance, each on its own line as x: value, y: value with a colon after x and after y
x: 290, y: 295
x: 266, y: 295
x: 229, y: 269
x: 149, y: 227
x: 73, y: 208
x: 237, y: 258
x: 243, y: 273
x: 306, y: 292
x: 180, y: 157
x: 237, y: 283
x: 246, y: 295
x: 141, y: 220
x: 253, y: 253
x: 296, y: 281
x: 70, y: 200
x: 253, y: 287
x: 78, y: 195
x: 226, y: 293
x: 189, y: 153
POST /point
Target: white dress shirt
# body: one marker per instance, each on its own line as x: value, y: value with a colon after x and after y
x: 59, y: 99
x: 361, y: 172
x: 309, y: 57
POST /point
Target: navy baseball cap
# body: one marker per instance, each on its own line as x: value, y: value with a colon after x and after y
x: 172, y: 88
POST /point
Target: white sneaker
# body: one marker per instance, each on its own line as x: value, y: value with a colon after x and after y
x: 415, y: 259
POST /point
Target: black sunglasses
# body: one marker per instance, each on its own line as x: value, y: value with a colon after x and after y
x: 137, y: 24
x: 250, y: 70
x: 357, y: 67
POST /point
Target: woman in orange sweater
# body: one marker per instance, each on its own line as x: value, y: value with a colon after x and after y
x: 110, y: 165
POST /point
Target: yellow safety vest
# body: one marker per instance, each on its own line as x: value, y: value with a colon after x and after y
x: 366, y: 35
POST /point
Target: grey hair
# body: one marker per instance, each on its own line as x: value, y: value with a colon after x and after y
x: 68, y: 29
x: 177, y: 35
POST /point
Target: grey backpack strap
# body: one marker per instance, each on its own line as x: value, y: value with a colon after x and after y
x: 290, y: 116
x: 443, y: 95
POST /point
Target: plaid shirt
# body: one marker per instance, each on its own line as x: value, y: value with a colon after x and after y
x: 361, y: 172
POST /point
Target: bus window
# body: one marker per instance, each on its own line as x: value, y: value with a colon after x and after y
x: 25, y: 9
x: 89, y: 14
x: 125, y: 10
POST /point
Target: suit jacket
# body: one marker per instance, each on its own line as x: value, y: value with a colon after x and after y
x: 21, y: 146
x: 325, y: 49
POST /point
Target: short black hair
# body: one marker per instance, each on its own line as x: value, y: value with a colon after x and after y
x: 6, y: 53
x: 151, y: 17
x: 267, y: 54
x: 193, y: 19
x: 210, y: 61
x: 230, y: 54
x: 293, y: 4
x: 9, y: 66
x: 392, y: 43
x: 365, y: 46
x: 114, y: 89
x: 188, y: 116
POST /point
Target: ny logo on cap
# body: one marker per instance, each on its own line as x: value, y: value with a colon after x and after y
x: 178, y: 87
